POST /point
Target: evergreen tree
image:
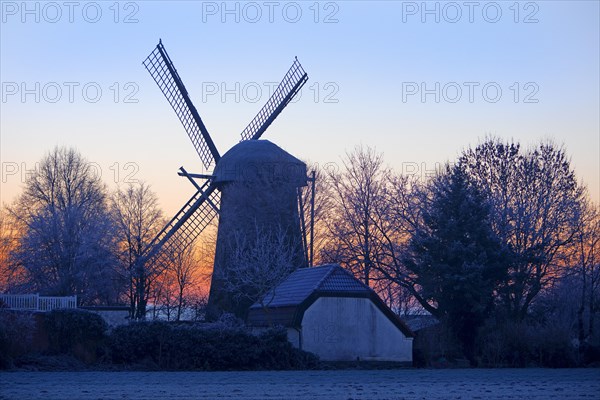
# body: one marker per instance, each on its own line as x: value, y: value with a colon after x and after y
x: 456, y: 257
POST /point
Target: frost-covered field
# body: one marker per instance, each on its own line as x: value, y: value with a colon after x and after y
x: 525, y: 384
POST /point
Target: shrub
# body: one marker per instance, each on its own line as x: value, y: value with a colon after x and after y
x: 164, y: 345
x: 551, y: 346
x: 276, y: 352
x: 502, y: 343
x: 527, y: 343
x: 75, y: 332
x: 435, y: 346
x: 16, y: 332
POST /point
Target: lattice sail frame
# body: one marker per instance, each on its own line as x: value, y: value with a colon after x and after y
x: 162, y: 70
x: 199, y: 211
x: 290, y: 85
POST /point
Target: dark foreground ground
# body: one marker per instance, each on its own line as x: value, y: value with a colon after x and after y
x: 525, y: 384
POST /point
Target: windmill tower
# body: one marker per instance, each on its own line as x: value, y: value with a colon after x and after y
x: 253, y: 187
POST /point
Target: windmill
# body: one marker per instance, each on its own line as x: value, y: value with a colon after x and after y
x: 248, y: 171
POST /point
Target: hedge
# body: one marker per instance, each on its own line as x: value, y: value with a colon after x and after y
x: 163, y: 345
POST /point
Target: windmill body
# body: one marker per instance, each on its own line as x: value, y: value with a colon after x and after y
x: 259, y: 183
x: 253, y: 188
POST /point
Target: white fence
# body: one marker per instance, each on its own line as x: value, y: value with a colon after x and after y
x: 35, y: 302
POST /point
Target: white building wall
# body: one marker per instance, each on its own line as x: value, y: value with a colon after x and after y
x: 345, y: 328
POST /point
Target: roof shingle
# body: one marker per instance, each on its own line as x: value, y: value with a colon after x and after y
x: 305, y: 281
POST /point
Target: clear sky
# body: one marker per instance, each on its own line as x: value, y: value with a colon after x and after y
x: 418, y: 81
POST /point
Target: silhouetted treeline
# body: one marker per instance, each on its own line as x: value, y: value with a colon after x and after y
x: 498, y: 245
x: 501, y: 246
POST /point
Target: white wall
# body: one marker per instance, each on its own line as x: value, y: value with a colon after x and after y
x: 344, y: 328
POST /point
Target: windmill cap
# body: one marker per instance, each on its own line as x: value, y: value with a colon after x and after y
x: 260, y: 161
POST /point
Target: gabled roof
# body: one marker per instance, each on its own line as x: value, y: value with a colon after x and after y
x: 305, y: 281
x: 287, y: 303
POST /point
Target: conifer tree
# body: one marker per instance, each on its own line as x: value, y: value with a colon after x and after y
x: 456, y: 257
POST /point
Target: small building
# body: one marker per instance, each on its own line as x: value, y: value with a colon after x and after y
x: 330, y: 313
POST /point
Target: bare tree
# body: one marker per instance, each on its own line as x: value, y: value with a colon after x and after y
x: 185, y: 270
x: 67, y: 243
x: 393, y: 293
x: 177, y: 286
x: 536, y: 210
x: 139, y: 218
x: 406, y: 199
x: 371, y: 214
x: 357, y: 194
x: 585, y: 267
x: 198, y: 303
x: 12, y: 276
x: 321, y: 212
x: 259, y: 264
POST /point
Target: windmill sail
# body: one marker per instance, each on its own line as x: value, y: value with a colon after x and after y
x: 188, y: 223
x: 162, y: 70
x: 291, y: 84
